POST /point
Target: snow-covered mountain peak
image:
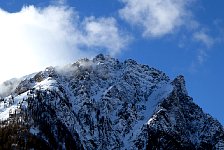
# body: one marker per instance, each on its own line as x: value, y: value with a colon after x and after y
x: 102, y: 103
x: 179, y: 83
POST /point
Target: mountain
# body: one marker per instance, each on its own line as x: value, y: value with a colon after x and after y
x: 104, y: 104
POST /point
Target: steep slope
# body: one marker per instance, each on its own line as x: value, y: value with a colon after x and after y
x: 107, y: 104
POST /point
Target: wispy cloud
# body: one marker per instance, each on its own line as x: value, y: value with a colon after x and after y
x: 104, y: 32
x: 156, y: 17
x: 204, y: 38
x: 202, y: 55
x: 34, y: 38
x: 205, y: 42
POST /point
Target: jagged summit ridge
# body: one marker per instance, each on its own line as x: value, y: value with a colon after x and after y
x: 107, y: 104
x: 179, y: 83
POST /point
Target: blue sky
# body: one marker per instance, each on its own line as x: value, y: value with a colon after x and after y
x: 176, y: 36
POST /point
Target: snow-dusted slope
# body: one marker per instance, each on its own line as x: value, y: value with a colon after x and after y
x: 107, y: 104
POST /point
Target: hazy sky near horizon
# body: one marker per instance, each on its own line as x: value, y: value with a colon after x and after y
x: 176, y: 36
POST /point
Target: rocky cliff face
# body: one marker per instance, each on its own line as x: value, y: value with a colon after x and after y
x: 107, y: 104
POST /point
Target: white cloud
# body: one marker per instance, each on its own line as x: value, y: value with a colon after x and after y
x: 104, y: 31
x: 204, y: 38
x: 202, y: 55
x: 34, y: 38
x: 207, y: 42
x: 156, y: 17
x: 201, y: 58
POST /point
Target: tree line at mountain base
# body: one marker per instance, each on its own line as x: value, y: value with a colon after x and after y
x: 15, y: 136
